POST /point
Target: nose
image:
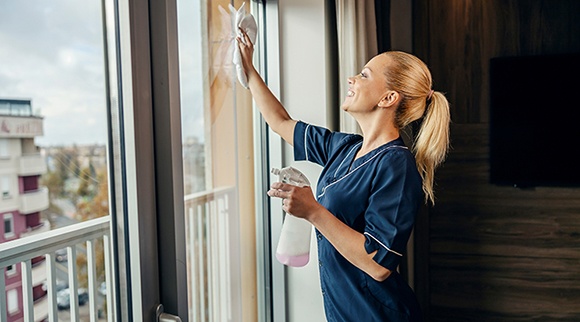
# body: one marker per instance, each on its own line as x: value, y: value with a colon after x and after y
x: 350, y: 80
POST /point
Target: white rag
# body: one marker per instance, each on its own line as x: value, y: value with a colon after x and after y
x: 247, y: 23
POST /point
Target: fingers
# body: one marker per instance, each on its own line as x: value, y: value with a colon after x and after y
x: 244, y: 38
x: 278, y: 193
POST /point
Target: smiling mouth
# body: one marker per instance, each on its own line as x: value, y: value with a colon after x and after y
x: 350, y: 93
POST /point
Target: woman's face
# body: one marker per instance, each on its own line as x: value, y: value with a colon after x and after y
x: 368, y: 88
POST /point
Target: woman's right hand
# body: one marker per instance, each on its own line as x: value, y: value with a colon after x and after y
x: 247, y: 51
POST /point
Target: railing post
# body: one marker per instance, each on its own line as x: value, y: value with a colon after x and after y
x: 27, y: 301
x: 51, y: 283
x: 3, y: 310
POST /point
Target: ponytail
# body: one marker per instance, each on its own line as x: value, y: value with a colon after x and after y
x: 432, y: 141
x: 409, y: 76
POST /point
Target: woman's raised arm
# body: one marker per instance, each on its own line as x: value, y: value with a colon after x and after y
x: 272, y: 110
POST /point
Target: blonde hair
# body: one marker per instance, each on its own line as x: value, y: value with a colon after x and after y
x: 410, y: 77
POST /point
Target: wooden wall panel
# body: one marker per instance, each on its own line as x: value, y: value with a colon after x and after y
x: 495, y: 253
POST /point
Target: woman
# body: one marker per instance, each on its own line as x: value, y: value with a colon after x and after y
x: 371, y: 186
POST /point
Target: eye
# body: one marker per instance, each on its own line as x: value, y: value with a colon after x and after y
x: 363, y: 75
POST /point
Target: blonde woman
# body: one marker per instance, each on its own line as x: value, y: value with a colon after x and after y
x: 371, y: 185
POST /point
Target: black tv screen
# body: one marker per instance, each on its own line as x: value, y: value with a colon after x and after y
x: 535, y: 120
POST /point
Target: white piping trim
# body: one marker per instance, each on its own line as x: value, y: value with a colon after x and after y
x: 367, y: 161
x: 385, y: 247
x: 349, y: 152
x: 306, y: 141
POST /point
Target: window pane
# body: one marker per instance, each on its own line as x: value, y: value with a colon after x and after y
x: 218, y: 166
x: 53, y: 126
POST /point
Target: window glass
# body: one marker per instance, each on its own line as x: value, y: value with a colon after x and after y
x: 53, y: 124
x: 12, y: 301
x: 5, y: 182
x: 218, y: 164
x: 8, y: 225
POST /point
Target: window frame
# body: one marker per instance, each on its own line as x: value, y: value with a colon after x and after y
x: 10, y: 218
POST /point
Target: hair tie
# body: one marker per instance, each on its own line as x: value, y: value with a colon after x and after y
x: 430, y: 95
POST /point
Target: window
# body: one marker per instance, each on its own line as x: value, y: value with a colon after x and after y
x: 218, y: 161
x: 8, y: 226
x: 10, y: 270
x: 12, y: 301
x: 6, y: 189
x: 54, y: 109
x: 4, y: 151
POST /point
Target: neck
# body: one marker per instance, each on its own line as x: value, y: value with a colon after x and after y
x: 376, y: 132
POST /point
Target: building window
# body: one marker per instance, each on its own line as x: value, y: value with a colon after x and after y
x: 12, y: 301
x: 8, y: 226
x: 5, y: 187
x: 4, y: 151
x: 10, y: 270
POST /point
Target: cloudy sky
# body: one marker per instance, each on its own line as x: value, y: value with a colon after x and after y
x: 51, y: 51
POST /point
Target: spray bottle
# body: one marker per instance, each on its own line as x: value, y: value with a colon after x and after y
x: 294, y: 243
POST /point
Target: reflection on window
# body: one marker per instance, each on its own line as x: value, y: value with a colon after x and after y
x: 218, y: 164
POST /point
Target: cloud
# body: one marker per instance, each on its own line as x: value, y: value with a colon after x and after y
x: 52, y: 53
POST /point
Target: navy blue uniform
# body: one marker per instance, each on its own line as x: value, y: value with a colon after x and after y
x: 377, y: 195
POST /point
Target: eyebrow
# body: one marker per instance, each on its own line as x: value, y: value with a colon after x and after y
x: 366, y: 67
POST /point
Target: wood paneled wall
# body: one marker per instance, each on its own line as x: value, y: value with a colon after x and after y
x: 486, y: 252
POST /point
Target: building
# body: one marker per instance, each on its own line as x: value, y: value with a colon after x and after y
x: 21, y: 166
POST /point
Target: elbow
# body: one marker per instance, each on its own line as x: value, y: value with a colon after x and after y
x: 381, y: 274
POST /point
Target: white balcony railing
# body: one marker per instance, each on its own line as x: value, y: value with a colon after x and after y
x: 32, y: 164
x: 213, y: 260
x: 81, y: 237
x: 213, y: 250
x: 34, y: 201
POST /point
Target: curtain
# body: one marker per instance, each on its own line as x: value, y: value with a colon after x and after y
x: 357, y: 44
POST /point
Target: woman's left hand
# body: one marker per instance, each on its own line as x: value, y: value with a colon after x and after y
x: 298, y: 201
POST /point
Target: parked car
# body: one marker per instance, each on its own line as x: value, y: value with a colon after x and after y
x: 63, y: 298
x: 103, y: 289
x: 61, y: 255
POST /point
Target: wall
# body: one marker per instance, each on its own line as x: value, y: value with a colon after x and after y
x: 494, y: 253
x: 304, y: 94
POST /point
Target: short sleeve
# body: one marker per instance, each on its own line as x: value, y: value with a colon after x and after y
x: 395, y: 198
x: 314, y: 143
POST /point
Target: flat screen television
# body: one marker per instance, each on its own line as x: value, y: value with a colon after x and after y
x: 535, y: 120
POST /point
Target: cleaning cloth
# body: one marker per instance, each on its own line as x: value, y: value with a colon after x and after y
x: 247, y: 23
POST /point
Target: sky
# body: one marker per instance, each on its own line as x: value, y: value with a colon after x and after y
x: 51, y: 51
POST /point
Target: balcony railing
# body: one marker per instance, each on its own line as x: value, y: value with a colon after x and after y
x: 32, y: 164
x: 34, y: 201
x: 82, y: 237
x: 213, y: 255
x: 213, y: 261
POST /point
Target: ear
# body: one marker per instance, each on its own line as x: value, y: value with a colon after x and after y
x: 391, y: 99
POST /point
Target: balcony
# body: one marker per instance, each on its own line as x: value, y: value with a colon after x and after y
x: 34, y: 201
x: 43, y: 227
x: 212, y: 250
x: 82, y: 236
x: 32, y: 164
x: 212, y: 254
x: 41, y: 309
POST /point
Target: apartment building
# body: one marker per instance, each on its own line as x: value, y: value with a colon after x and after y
x: 23, y: 199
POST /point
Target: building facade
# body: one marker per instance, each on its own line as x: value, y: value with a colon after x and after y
x: 22, y: 199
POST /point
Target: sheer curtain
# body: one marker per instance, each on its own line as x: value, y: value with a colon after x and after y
x: 357, y: 43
